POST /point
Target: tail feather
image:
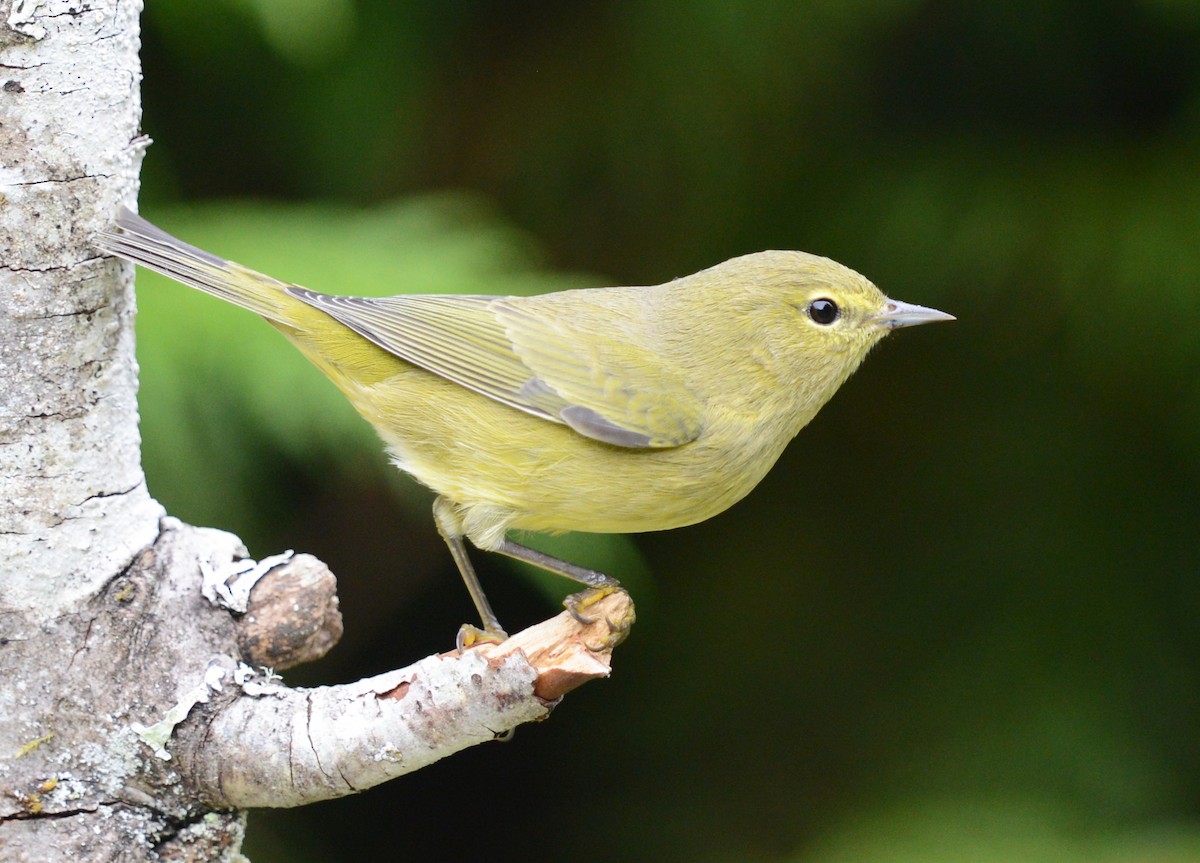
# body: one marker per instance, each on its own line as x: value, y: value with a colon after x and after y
x: 143, y: 243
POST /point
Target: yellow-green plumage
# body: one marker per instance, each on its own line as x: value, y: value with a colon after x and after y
x: 607, y: 410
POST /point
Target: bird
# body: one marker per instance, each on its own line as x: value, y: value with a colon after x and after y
x: 605, y: 410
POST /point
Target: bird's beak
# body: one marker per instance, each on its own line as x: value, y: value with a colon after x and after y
x: 897, y: 314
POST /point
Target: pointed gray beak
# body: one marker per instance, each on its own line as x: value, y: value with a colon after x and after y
x: 898, y: 314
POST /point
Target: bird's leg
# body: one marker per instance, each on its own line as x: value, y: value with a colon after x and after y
x: 447, y: 526
x: 540, y: 559
x: 599, y: 584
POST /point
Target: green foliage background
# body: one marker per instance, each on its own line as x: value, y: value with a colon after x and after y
x: 957, y: 622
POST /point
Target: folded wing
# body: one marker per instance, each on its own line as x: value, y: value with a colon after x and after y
x: 530, y: 359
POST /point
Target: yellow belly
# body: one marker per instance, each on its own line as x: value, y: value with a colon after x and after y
x: 507, y: 469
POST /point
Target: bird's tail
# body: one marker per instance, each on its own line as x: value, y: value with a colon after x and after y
x: 143, y: 243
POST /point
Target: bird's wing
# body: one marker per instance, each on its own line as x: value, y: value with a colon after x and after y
x: 529, y: 360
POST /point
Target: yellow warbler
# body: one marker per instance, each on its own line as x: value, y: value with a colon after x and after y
x: 608, y: 410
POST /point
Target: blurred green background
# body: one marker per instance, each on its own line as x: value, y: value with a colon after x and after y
x: 958, y: 622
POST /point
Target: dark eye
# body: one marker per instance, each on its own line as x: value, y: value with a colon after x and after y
x: 823, y: 312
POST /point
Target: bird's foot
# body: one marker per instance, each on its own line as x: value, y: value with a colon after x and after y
x: 618, y: 629
x: 470, y: 636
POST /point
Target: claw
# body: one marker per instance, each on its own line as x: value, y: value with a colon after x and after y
x: 576, y: 603
x: 470, y: 636
x: 618, y: 630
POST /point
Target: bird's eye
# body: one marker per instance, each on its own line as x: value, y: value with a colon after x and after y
x: 823, y: 311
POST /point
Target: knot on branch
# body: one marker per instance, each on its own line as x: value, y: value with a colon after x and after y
x: 292, y: 616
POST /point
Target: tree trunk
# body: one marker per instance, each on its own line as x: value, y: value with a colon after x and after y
x: 136, y: 722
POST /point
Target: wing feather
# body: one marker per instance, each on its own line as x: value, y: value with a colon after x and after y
x: 616, y: 386
x: 524, y: 358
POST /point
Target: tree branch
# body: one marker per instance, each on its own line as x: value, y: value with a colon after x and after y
x: 275, y: 746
